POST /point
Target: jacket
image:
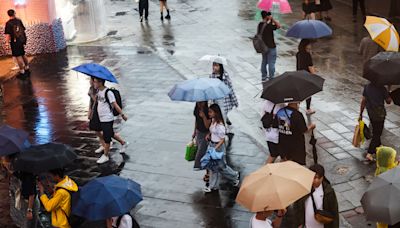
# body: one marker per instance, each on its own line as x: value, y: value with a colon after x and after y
x: 60, y: 203
x: 329, y: 204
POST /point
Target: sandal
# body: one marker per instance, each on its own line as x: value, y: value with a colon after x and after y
x: 206, y: 178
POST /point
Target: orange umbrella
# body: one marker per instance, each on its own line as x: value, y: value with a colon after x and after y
x: 275, y: 186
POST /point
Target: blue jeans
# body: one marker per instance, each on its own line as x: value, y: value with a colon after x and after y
x: 268, y: 58
x: 223, y: 170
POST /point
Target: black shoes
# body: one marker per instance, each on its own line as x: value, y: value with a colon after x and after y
x: 141, y: 18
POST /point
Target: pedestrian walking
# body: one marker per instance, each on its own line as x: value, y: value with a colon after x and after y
x: 321, y: 198
x: 217, y: 141
x: 163, y: 4
x: 362, y: 8
x: 374, y: 97
x: 309, y: 9
x: 266, y: 28
x: 201, y: 130
x: 15, y: 35
x: 60, y: 203
x: 304, y: 62
x: 272, y: 133
x: 229, y: 102
x: 106, y: 117
x: 322, y: 9
x: 368, y: 49
x: 292, y: 127
x: 144, y: 9
x: 267, y: 219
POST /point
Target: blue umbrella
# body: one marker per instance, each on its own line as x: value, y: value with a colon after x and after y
x: 96, y: 70
x: 12, y: 140
x: 106, y: 197
x: 309, y: 29
x: 199, y: 89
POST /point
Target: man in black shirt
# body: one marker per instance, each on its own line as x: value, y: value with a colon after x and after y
x: 266, y: 28
x: 374, y: 98
x: 15, y: 35
x: 292, y: 127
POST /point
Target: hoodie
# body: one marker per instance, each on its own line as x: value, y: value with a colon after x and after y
x: 60, y: 203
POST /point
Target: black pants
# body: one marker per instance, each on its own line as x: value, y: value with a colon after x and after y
x: 377, y: 128
x: 308, y: 103
x: 362, y: 7
x: 144, y: 6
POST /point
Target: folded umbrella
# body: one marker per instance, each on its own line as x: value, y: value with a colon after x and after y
x: 96, y: 70
x: 106, y: 197
x: 382, y: 32
x: 275, y: 186
x: 41, y: 158
x: 383, y: 68
x: 309, y: 29
x: 12, y: 140
x: 380, y: 201
x: 292, y: 86
x: 199, y: 89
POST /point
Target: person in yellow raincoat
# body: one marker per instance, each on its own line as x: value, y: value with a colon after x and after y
x: 60, y: 203
x: 385, y: 160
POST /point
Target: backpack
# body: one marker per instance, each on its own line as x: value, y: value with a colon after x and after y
x: 118, y: 99
x: 73, y: 220
x: 19, y: 32
x: 258, y: 42
x: 134, y: 222
x: 268, y: 119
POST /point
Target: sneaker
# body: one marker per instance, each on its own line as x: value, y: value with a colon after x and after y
x: 103, y: 159
x: 123, y: 148
x: 208, y: 189
x: 99, y: 150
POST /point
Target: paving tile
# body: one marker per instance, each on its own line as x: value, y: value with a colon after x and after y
x: 339, y: 128
x: 341, y: 156
x: 331, y: 135
x: 342, y: 187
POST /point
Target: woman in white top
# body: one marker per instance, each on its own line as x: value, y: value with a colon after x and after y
x: 217, y: 140
x: 267, y: 219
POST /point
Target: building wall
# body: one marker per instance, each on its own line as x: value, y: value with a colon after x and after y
x: 34, y: 11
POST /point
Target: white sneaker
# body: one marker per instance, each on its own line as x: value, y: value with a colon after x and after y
x: 123, y: 148
x: 99, y: 150
x: 103, y: 159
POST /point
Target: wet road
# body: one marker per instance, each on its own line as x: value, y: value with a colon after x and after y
x: 148, y: 59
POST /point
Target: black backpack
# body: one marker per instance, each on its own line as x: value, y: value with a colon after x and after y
x: 73, y: 220
x: 268, y: 120
x: 134, y: 222
x: 118, y: 99
x: 19, y: 32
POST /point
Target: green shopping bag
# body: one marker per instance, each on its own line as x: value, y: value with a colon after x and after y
x: 191, y: 149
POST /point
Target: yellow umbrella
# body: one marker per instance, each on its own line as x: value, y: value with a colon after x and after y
x: 383, y: 33
x: 275, y: 186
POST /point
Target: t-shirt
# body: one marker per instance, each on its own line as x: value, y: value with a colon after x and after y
x: 103, y: 107
x: 303, y: 61
x: 318, y: 195
x: 9, y: 29
x: 375, y: 96
x: 268, y: 33
x: 292, y: 127
x: 255, y: 223
x: 126, y: 222
x: 199, y: 121
x: 217, y: 131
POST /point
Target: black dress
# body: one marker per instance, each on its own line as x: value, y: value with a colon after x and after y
x: 309, y: 8
x: 325, y: 5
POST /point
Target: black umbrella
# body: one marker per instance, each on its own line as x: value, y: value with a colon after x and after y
x: 292, y: 86
x: 42, y: 158
x: 383, y: 68
x: 380, y: 201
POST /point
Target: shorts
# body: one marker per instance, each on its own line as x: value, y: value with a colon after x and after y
x: 17, y: 49
x: 274, y: 150
x: 94, y: 123
x: 108, y: 131
x: 309, y: 8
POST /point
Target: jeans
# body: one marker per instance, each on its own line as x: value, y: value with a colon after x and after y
x: 223, y: 169
x: 377, y: 128
x: 201, y: 147
x: 144, y: 6
x: 362, y: 7
x: 268, y: 58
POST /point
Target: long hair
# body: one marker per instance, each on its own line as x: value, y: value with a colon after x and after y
x: 303, y: 44
x: 221, y: 71
x: 218, y: 114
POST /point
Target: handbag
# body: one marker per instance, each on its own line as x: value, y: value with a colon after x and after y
x: 322, y: 216
x: 357, y: 136
x: 258, y: 42
x: 191, y: 150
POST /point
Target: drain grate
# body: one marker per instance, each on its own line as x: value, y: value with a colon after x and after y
x: 121, y: 13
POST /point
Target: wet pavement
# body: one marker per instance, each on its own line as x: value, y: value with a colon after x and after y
x: 149, y: 58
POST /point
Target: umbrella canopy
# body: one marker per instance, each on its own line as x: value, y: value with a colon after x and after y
x: 380, y: 201
x: 275, y: 186
x: 309, y: 29
x: 383, y: 68
x: 215, y: 59
x: 96, y: 70
x: 45, y: 157
x: 12, y: 140
x: 383, y: 33
x: 106, y: 197
x: 199, y: 89
x: 284, y: 6
x: 292, y: 86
